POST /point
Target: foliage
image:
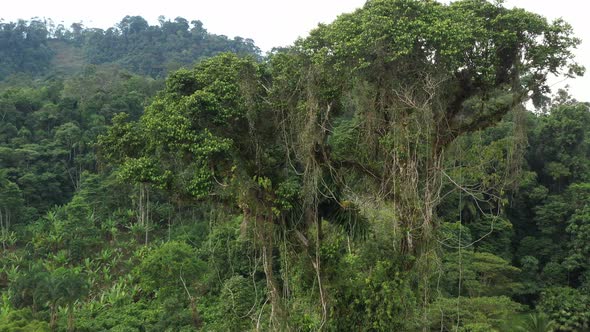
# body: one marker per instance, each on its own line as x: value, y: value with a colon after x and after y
x: 567, y: 307
x: 170, y: 268
x: 24, y: 47
x: 536, y: 322
x: 380, y: 174
x: 39, y: 47
x: 22, y: 321
x: 471, y: 314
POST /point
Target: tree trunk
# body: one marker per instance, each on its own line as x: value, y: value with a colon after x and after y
x: 70, y: 317
x: 262, y: 223
x: 197, y: 322
x: 143, y: 206
x: 53, y: 317
x: 271, y: 283
x: 2, y: 230
x: 267, y: 261
x: 318, y: 269
x: 147, y: 213
x: 265, y: 234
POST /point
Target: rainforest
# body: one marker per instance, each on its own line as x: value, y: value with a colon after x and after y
x: 406, y: 167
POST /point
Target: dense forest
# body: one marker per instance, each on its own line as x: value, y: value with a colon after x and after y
x: 40, y: 47
x: 404, y: 168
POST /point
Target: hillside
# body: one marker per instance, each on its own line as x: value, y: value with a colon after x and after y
x: 67, y: 58
x: 38, y: 48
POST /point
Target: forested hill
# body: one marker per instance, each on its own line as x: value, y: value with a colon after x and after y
x: 40, y: 47
x: 380, y: 174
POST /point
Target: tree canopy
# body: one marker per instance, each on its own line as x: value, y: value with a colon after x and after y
x: 382, y: 173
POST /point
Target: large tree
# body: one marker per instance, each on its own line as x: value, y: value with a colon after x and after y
x: 355, y: 118
x: 402, y: 80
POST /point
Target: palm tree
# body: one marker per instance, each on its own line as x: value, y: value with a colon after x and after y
x: 536, y: 322
x: 63, y: 286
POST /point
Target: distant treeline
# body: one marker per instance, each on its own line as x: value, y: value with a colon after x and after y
x: 32, y: 46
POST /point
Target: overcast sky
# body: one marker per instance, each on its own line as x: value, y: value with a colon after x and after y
x: 268, y: 22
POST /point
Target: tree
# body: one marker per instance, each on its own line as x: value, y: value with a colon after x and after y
x: 567, y: 307
x: 171, y: 271
x: 472, y: 314
x: 560, y: 146
x: 536, y: 322
x: 62, y: 286
x: 402, y: 81
x: 212, y: 135
x: 11, y: 206
x: 27, y: 289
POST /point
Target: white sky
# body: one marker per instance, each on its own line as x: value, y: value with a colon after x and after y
x: 268, y: 22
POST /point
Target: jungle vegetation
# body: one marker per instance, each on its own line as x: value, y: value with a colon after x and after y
x: 404, y: 168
